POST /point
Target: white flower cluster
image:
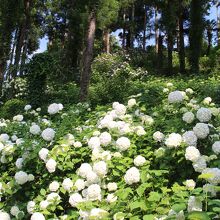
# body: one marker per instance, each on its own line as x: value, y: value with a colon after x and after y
x: 54, y: 108
x: 22, y: 177
x: 204, y: 115
x: 201, y: 130
x: 173, y: 140
x: 158, y: 136
x: 188, y: 117
x: 190, y: 138
x: 175, y: 97
x: 48, y: 134
x: 132, y: 176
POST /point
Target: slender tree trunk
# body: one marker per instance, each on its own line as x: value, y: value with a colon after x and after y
x: 170, y: 52
x: 209, y: 35
x: 132, y: 26
x: 106, y: 39
x: 160, y: 54
x: 144, y: 28
x: 87, y: 57
x: 156, y: 32
x: 181, y: 42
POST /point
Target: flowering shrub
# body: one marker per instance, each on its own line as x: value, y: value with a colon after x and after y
x: 120, y: 162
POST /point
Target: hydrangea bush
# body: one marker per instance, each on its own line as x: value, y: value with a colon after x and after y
x: 117, y: 162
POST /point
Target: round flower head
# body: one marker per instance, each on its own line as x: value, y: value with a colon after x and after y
x: 75, y: 199
x: 192, y: 154
x: 30, y: 207
x: 18, y: 118
x: 190, y: 138
x: 216, y: 147
x: 53, y: 109
x: 84, y: 169
x: 54, y: 186
x: 173, y: 140
x: 19, y: 163
x: 139, y: 161
x: 175, y: 97
x: 201, y: 130
x: 51, y: 165
x: 120, y: 109
x: 204, y: 114
x: 131, y: 103
x: 27, y: 107
x: 105, y: 138
x: 37, y: 216
x: 94, y: 143
x: 100, y: 168
x: 200, y: 164
x: 4, y: 216
x: 123, y: 143
x: 194, y: 204
x: 214, y: 175
x: 35, y: 129
x: 94, y: 192
x: 43, y: 153
x: 190, y: 184
x: 188, y: 117
x: 14, y: 210
x: 111, y: 198
x: 132, y: 176
x: 48, y: 134
x: 4, y: 138
x: 80, y: 184
x: 158, y: 136
x: 67, y: 184
x: 112, y: 187
x: 21, y: 177
x: 44, y: 204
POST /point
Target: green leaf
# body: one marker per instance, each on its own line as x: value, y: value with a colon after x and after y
x: 198, y: 216
x: 43, y: 192
x: 142, y: 188
x: 206, y: 176
x: 149, y: 217
x: 178, y: 207
x: 154, y: 197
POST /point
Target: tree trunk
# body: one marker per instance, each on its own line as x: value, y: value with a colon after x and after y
x: 87, y: 57
x: 160, y: 54
x: 209, y: 35
x: 170, y: 52
x: 156, y: 32
x: 181, y: 42
x: 132, y: 26
x: 106, y: 40
x: 144, y: 28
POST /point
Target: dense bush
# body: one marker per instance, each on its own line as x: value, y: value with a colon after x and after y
x: 149, y: 159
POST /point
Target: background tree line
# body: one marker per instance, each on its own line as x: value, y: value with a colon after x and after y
x: 79, y: 30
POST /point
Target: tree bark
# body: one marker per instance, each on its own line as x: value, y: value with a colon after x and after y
x: 106, y: 40
x: 160, y: 54
x: 144, y: 28
x: 87, y: 57
x: 181, y: 41
x: 170, y: 52
x: 123, y: 34
x: 132, y: 26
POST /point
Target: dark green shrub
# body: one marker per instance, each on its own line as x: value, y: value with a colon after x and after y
x: 11, y: 108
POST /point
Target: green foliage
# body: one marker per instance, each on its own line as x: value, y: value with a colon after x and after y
x: 11, y: 107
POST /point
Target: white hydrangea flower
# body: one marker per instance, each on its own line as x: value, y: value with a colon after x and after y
x: 53, y: 197
x: 53, y: 108
x: 204, y: 115
x: 31, y: 177
x: 175, y: 97
x: 112, y: 187
x: 77, y: 144
x: 74, y: 199
x: 111, y: 198
x: 216, y: 147
x: 120, y: 109
x: 97, y: 213
x: 123, y: 143
x: 35, y: 129
x: 188, y: 117
x: 51, y: 165
x: 92, y: 177
x: 44, y: 204
x: 215, y: 175
x: 18, y: 118
x: 100, y: 168
x: 19, y: 163
x: 192, y: 154
x: 169, y: 84
x: 200, y: 164
x: 48, y: 134
x: 37, y: 216
x: 14, y: 137
x: 139, y: 161
x: 190, y: 184
x: 94, y: 192
x: 189, y: 90
x: 210, y: 188
x: 14, y: 210
x: 207, y: 100
x: 54, y: 186
x: 165, y: 90
x: 30, y: 207
x: 190, y: 138
x: 43, y: 153
x: 131, y: 103
x: 194, y: 204
x: 94, y: 143
x: 140, y: 131
x: 67, y: 184
x: 132, y: 176
x: 158, y: 136
x: 106, y: 155
x: 4, y: 216
x: 27, y: 107
x: 80, y: 184
x: 201, y: 130
x: 4, y: 137
x: 21, y: 177
x: 105, y: 138
x: 173, y: 140
x: 84, y: 169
